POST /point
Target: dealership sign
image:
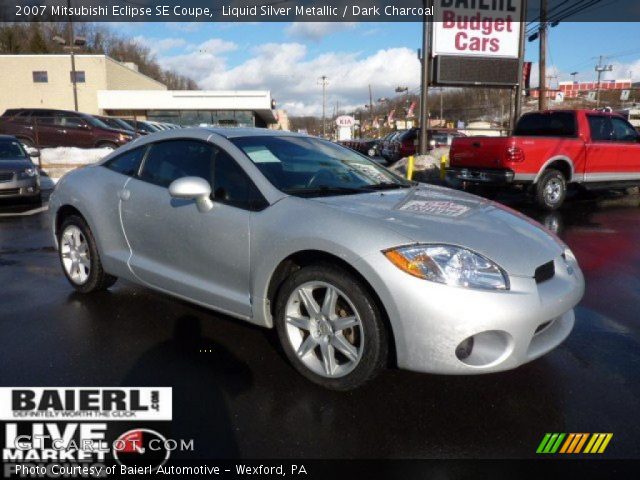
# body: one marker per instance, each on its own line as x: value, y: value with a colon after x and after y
x: 345, y: 121
x: 487, y: 28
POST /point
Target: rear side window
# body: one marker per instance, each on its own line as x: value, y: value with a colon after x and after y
x: 554, y: 124
x: 127, y: 163
x: 600, y: 127
x: 623, y: 131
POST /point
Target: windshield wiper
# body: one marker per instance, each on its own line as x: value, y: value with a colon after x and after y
x: 326, y: 190
x: 388, y: 186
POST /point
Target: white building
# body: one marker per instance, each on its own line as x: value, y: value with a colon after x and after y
x: 191, y: 107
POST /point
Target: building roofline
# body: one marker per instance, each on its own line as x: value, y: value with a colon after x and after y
x: 82, y: 55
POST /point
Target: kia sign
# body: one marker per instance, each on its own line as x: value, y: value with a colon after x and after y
x: 486, y: 28
x: 345, y: 121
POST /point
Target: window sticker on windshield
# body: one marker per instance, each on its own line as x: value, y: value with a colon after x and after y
x: 261, y: 155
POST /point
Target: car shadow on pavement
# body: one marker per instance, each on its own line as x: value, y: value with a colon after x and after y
x: 203, y: 380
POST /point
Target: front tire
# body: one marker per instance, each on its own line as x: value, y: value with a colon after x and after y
x: 551, y: 190
x: 79, y: 257
x: 330, y: 327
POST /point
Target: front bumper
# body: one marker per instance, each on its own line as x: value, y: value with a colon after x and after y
x: 16, y: 188
x: 483, y: 176
x: 431, y: 321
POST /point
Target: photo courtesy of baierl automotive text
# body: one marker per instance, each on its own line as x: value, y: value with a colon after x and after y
x: 313, y: 239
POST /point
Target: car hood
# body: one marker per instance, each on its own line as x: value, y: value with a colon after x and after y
x: 14, y: 165
x: 430, y: 214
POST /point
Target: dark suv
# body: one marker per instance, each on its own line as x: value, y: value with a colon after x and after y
x: 60, y: 128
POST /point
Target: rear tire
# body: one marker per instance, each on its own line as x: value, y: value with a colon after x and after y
x: 79, y: 257
x: 551, y: 190
x: 340, y: 340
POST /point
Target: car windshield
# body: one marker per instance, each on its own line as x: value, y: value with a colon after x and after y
x: 305, y: 166
x: 11, y: 150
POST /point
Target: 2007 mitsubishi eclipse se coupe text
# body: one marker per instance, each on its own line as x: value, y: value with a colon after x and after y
x: 354, y: 266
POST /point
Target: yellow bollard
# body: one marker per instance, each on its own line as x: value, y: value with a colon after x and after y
x: 410, y: 167
x: 444, y: 160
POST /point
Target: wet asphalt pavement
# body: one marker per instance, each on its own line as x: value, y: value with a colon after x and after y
x: 243, y: 399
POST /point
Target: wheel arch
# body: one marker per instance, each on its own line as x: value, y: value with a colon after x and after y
x: 303, y: 258
x: 63, y: 212
x: 562, y: 163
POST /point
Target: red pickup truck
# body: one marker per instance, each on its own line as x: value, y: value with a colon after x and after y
x: 549, y: 150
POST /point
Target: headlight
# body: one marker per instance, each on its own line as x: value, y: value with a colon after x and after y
x: 450, y: 265
x: 28, y: 173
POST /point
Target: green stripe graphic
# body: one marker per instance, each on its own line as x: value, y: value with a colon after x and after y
x: 550, y: 443
x: 558, y: 442
x: 543, y: 443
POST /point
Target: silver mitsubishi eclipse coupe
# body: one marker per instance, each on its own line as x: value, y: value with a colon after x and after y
x: 354, y: 266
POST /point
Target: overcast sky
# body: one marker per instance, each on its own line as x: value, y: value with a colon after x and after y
x: 288, y: 58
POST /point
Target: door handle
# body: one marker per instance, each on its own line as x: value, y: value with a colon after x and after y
x: 124, y: 194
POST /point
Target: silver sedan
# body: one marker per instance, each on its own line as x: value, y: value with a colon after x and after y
x: 354, y: 266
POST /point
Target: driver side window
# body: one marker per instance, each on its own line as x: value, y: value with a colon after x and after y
x: 173, y: 159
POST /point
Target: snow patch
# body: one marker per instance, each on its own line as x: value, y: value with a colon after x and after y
x: 72, y: 155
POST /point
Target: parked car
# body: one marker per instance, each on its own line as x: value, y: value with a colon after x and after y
x: 141, y: 127
x: 347, y: 260
x: 60, y: 128
x: 550, y: 149
x: 366, y: 146
x: 405, y: 144
x: 387, y: 149
x: 116, y: 124
x: 19, y: 177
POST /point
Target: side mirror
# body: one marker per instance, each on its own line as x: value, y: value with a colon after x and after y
x: 34, y: 153
x: 193, y: 188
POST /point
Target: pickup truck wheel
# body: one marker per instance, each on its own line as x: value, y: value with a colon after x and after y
x: 330, y: 327
x: 551, y: 190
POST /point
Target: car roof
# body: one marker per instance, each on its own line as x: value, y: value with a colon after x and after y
x: 237, y: 132
x: 7, y: 137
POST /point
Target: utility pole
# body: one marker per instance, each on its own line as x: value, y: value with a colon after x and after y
x: 370, y: 105
x: 323, y: 80
x: 600, y: 68
x: 542, y: 98
x: 424, y: 91
x: 441, y: 109
x: 519, y: 89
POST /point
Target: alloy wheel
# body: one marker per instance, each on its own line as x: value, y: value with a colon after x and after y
x: 324, y: 328
x: 75, y: 253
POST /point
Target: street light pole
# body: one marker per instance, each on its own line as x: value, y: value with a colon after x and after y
x: 73, y: 60
x: 424, y: 91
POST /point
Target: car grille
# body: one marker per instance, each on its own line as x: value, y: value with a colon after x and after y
x: 9, y: 191
x: 545, y: 272
x: 6, y: 176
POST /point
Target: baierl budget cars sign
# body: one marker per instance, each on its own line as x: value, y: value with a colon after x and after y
x: 487, y: 28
